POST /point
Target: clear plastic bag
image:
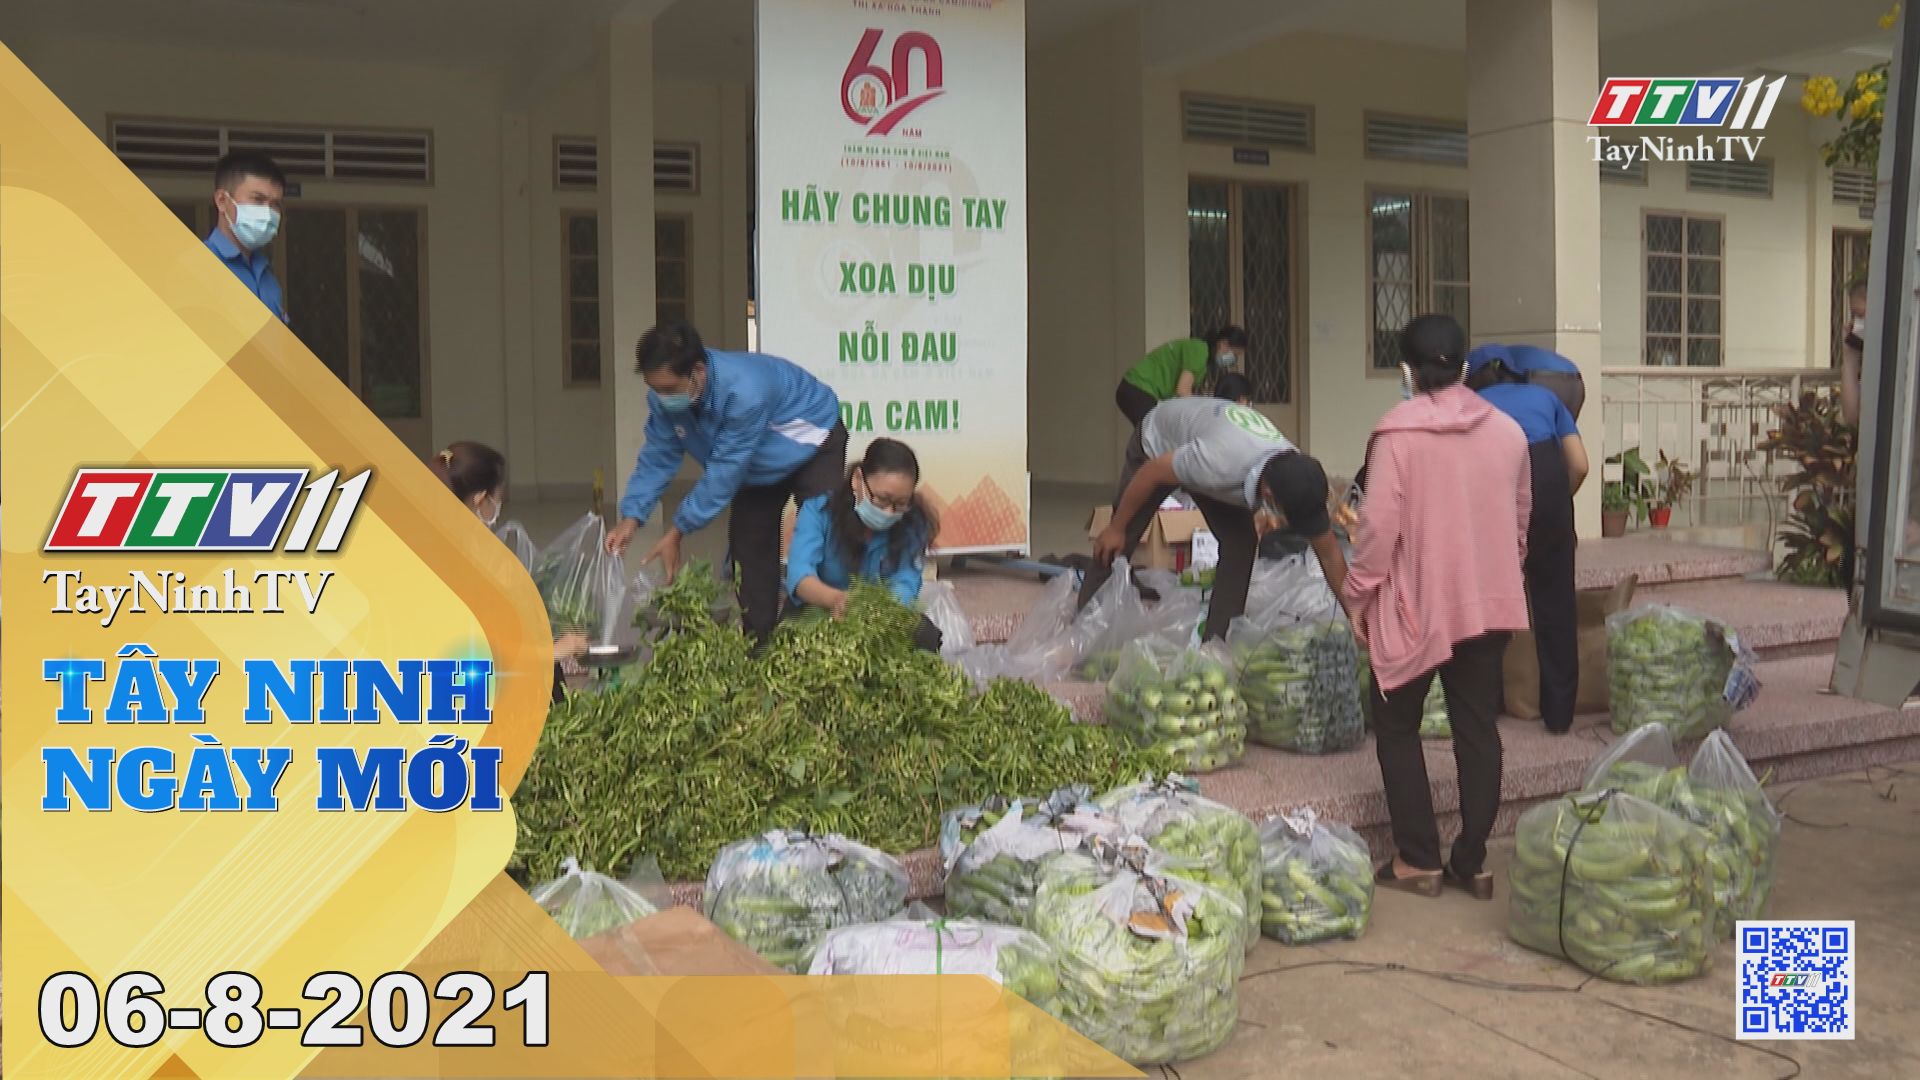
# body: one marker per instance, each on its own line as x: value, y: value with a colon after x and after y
x: 587, y: 904
x: 1726, y: 799
x: 1118, y: 614
x: 1297, y: 660
x: 1181, y: 700
x: 1683, y: 671
x: 1615, y: 884
x: 1289, y: 590
x: 514, y: 535
x: 1042, y: 649
x: 992, y: 852
x: 1318, y: 880
x: 1434, y: 721
x: 584, y: 587
x: 1149, y: 960
x: 1016, y: 959
x: 1209, y: 842
x: 1641, y: 763
x: 778, y: 894
x: 941, y: 605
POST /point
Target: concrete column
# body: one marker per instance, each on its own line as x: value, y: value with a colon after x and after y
x: 516, y: 313
x: 1533, y: 72
x: 625, y: 86
x: 734, y: 169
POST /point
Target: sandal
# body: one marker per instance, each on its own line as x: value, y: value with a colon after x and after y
x: 1427, y: 885
x: 1479, y: 886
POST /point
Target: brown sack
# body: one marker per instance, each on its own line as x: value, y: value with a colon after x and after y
x: 1523, y: 664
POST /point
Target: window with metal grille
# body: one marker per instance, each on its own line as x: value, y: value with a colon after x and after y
x: 580, y: 351
x: 1407, y: 138
x: 1684, y: 254
x: 1241, y: 272
x: 1417, y: 262
x: 1850, y: 250
x: 576, y: 165
x: 185, y: 146
x: 1750, y: 178
x: 1242, y: 122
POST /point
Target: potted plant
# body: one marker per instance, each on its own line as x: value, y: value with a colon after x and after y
x: 1615, y: 506
x: 1819, y: 528
x: 1676, y: 481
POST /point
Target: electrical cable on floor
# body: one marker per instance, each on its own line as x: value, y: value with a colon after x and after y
x: 1361, y: 967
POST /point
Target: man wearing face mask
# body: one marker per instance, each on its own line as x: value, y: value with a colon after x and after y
x: 763, y: 430
x: 1178, y: 369
x: 248, y: 190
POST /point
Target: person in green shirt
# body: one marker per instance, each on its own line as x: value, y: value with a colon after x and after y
x: 1177, y: 369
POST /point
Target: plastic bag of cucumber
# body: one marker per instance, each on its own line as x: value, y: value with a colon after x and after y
x: 1297, y: 656
x: 778, y: 894
x: 1615, y: 884
x: 1719, y: 793
x: 1317, y: 879
x: 1180, y: 700
x: 1205, y: 841
x: 993, y: 851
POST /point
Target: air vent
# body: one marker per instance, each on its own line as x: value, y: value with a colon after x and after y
x: 1635, y: 172
x: 1853, y: 187
x: 676, y: 167
x: 184, y: 146
x: 1402, y: 138
x: 1751, y: 178
x: 576, y: 165
x: 1248, y: 123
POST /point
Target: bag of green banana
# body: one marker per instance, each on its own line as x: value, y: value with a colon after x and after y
x: 1149, y: 960
x: 992, y: 852
x: 1719, y: 793
x: 1317, y: 878
x: 1206, y: 841
x: 586, y: 903
x: 1180, y: 700
x: 1674, y: 668
x: 1615, y: 884
x: 778, y: 894
x: 1298, y: 684
x: 1016, y: 959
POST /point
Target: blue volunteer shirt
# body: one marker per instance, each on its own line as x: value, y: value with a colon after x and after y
x: 1538, y: 410
x: 253, y: 268
x: 815, y: 552
x: 1521, y: 359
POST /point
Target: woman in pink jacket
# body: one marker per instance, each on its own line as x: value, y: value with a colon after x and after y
x: 1435, y: 589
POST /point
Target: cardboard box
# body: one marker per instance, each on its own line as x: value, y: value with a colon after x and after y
x: 1168, y: 544
x: 676, y: 941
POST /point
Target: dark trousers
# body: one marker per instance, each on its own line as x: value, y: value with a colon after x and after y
x: 1471, y: 682
x: 1549, y: 576
x: 1231, y: 525
x: 753, y: 530
x: 1134, y: 403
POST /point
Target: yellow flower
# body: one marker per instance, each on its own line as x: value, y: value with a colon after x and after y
x: 1891, y: 17
x: 1863, y: 80
x: 1821, y: 96
x: 1863, y: 105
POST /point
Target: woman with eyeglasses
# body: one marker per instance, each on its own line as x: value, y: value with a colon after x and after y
x: 875, y: 527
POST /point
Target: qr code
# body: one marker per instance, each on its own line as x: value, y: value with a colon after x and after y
x: 1796, y: 980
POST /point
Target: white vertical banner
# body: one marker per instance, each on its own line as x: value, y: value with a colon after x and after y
x: 892, y: 235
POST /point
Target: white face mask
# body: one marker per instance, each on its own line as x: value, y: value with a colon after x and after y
x: 489, y: 519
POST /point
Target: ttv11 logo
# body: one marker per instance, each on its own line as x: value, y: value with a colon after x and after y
x: 1686, y: 103
x: 878, y: 99
x: 203, y: 510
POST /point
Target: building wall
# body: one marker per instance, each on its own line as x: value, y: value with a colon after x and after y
x: 472, y: 276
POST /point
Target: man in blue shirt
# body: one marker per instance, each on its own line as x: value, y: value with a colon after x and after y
x: 1559, y: 463
x: 1541, y: 367
x: 248, y: 190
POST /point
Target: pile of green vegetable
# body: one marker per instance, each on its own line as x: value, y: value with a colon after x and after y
x: 993, y: 851
x: 1202, y: 840
x: 839, y: 726
x: 1669, y: 667
x: 694, y: 597
x: 1180, y: 701
x: 1718, y: 793
x: 1149, y: 961
x: 1016, y: 959
x: 1318, y: 880
x: 780, y: 893
x: 586, y: 904
x: 1615, y: 884
x: 1299, y: 686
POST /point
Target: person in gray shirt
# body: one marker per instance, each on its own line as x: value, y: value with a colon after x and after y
x: 1234, y: 463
